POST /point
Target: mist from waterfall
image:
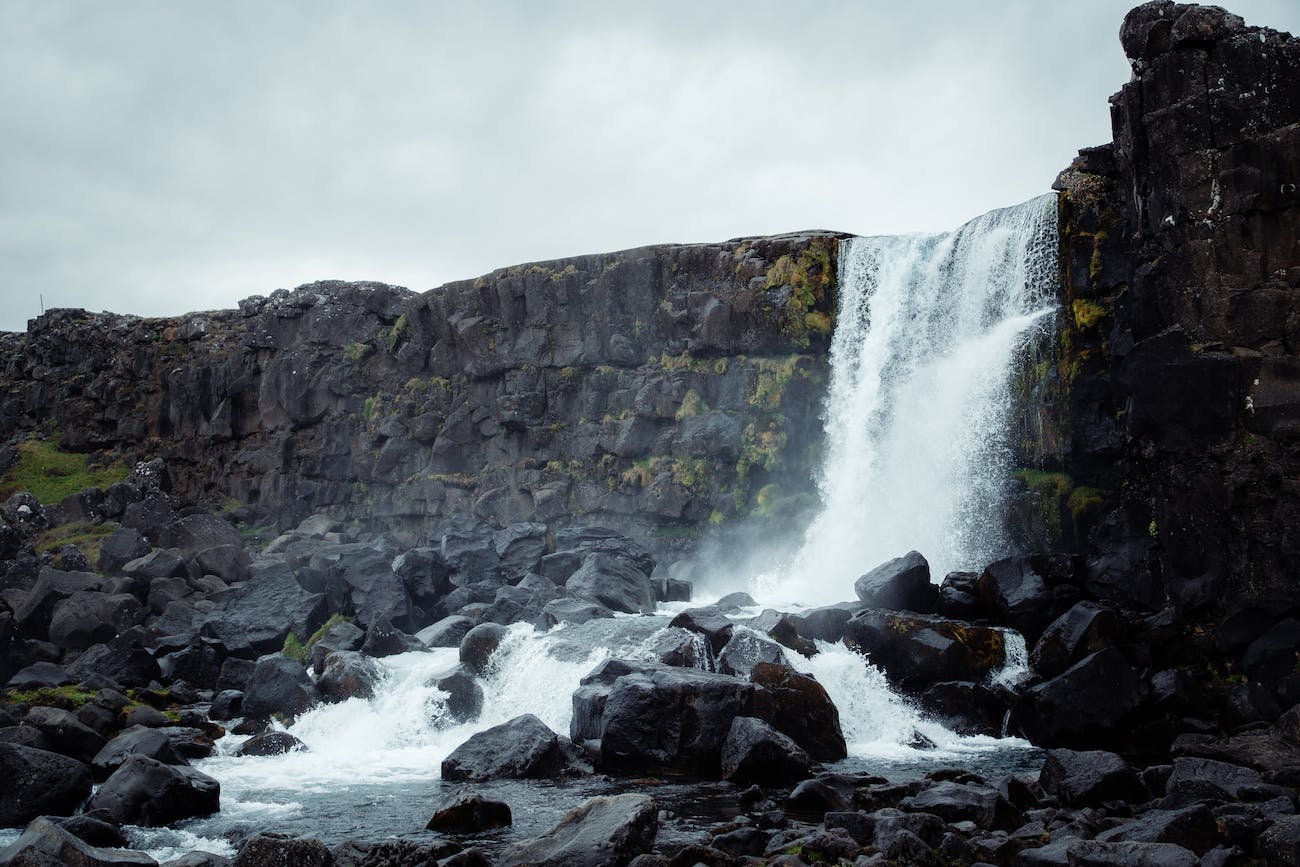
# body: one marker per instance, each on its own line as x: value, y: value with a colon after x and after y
x: 916, y: 415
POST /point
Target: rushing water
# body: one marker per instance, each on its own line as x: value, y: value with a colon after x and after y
x: 916, y: 414
x: 928, y: 330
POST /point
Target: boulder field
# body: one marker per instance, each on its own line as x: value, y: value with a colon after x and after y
x: 332, y: 475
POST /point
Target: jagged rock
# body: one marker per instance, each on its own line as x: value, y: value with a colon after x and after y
x: 32, y: 616
x: 956, y: 802
x: 347, y: 674
x: 1095, y: 853
x: 88, y: 617
x: 447, y: 632
x: 229, y: 562
x: 121, y: 547
x: 253, y: 619
x: 398, y: 853
x: 967, y: 708
x: 709, y: 622
x: 1230, y: 779
x: 754, y: 752
x: 593, y: 691
x: 1089, y: 778
x: 271, y: 743
x: 478, y: 645
x: 385, y: 639
x: 39, y: 675
x: 468, y: 812
x: 521, y: 748
x: 916, y: 650
x: 43, y: 842
x: 143, y: 791
x: 279, y: 686
x: 606, y: 830
x: 123, y: 661
x: 613, y: 582
x: 797, y: 705
x: 1281, y: 842
x: 745, y: 649
x: 900, y: 584
x: 675, y: 646
x: 1192, y: 828
x: 1018, y: 595
x: 226, y: 704
x: 520, y: 547
x: 39, y: 782
x: 670, y: 720
x: 271, y: 850
x: 572, y: 611
x: 343, y: 635
x: 65, y: 733
x: 1084, y: 629
x: 138, y: 740
x: 160, y: 563
x: 198, y: 663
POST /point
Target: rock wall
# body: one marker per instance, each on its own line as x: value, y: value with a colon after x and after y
x: 662, y: 391
x: 1163, y: 422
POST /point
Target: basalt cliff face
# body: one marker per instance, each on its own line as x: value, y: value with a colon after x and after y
x: 1168, y: 435
x: 658, y: 390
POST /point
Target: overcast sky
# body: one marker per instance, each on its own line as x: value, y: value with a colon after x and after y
x: 158, y: 157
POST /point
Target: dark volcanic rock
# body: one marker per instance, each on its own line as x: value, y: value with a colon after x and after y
x: 754, y: 752
x: 385, y: 639
x: 347, y: 674
x: 139, y: 740
x: 143, y: 791
x: 522, y: 748
x: 613, y: 582
x: 1087, y: 705
x: 38, y: 782
x: 44, y: 842
x: 607, y: 830
x: 1089, y: 778
x: 797, y: 705
x: 467, y: 812
x: 478, y: 645
x: 270, y: 850
x: 1084, y: 629
x: 270, y: 744
x: 902, y: 584
x: 709, y: 622
x: 254, y: 618
x: 916, y: 650
x: 279, y: 685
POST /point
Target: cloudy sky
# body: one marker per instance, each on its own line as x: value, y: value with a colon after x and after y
x: 158, y: 157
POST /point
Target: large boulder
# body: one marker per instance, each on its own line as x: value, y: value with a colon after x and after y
x: 464, y: 696
x: 1191, y: 827
x: 279, y: 686
x: 1084, y: 629
x: 121, y: 547
x: 447, y: 632
x: 478, y: 645
x: 670, y: 721
x: 708, y: 621
x: 254, y: 618
x: 44, y: 843
x: 39, y: 782
x: 65, y: 733
x: 571, y: 611
x: 198, y: 532
x: 1014, y: 591
x: 385, y: 639
x: 521, y: 748
x: 143, y: 791
x: 613, y: 582
x: 273, y: 850
x: 137, y: 740
x: 467, y: 813
x: 32, y: 615
x: 900, y: 584
x: 347, y: 674
x: 1089, y: 778
x: 965, y: 802
x: 745, y: 649
x: 520, y: 547
x: 89, y: 617
x: 797, y: 705
x: 1087, y: 705
x: 754, y: 752
x: 608, y: 830
x: 343, y: 635
x: 916, y: 650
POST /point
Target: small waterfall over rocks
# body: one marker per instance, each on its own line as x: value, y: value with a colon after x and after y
x: 917, y: 410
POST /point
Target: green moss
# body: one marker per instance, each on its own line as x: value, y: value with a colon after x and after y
x: 1083, y: 500
x: 65, y: 697
x: 370, y: 407
x: 294, y: 648
x: 89, y: 538
x: 1087, y: 314
x: 334, y: 620
x: 810, y: 276
x: 716, y: 517
x: 400, y: 332
x: 1052, y: 489
x: 50, y: 473
x: 692, y: 405
x: 690, y: 473
x: 774, y: 374
x: 355, y: 351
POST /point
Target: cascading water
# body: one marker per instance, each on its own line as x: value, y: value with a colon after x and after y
x: 916, y: 414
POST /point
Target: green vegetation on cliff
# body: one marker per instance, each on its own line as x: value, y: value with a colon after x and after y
x: 50, y: 473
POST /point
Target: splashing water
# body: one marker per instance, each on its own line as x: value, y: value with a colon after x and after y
x: 917, y: 409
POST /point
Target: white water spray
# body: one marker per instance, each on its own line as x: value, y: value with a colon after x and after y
x: 916, y: 413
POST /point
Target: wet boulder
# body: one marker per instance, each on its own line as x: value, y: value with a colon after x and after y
x: 965, y: 802
x: 747, y: 648
x: 426, y: 576
x: 279, y: 686
x: 226, y: 705
x: 1087, y: 705
x: 467, y: 813
x: 121, y: 547
x: 138, y: 740
x: 1191, y: 827
x: 274, y: 850
x: 32, y: 615
x: 1084, y: 629
x: 606, y: 830
x: 917, y: 650
x: 45, y: 842
x: 478, y: 645
x: 447, y: 632
x: 797, y: 705
x: 343, y: 635
x: 670, y: 721
x: 1018, y: 596
x: 754, y: 752
x: 347, y: 674
x: 593, y: 691
x: 967, y: 708
x: 40, y: 675
x: 520, y: 547
x: 198, y: 663
x: 38, y: 782
x: 569, y: 610
x: 613, y: 582
x: 385, y: 639
x: 254, y: 618
x: 901, y: 584
x: 272, y: 743
x: 708, y: 621
x: 1089, y: 778
x: 676, y: 646
x: 521, y: 748
x: 464, y: 696
x: 124, y: 661
x: 65, y: 733
x: 143, y: 791
x: 588, y: 540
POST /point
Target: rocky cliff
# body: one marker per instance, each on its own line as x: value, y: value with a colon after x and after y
x: 659, y: 390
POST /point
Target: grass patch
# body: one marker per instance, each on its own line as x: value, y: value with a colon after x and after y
x: 51, y: 474
x: 89, y: 538
x: 335, y: 620
x: 294, y: 648
x: 65, y: 697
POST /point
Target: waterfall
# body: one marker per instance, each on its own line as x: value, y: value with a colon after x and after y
x: 916, y: 415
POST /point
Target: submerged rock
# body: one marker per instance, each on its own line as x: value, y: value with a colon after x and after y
x: 467, y: 812
x: 610, y: 830
x: 521, y: 748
